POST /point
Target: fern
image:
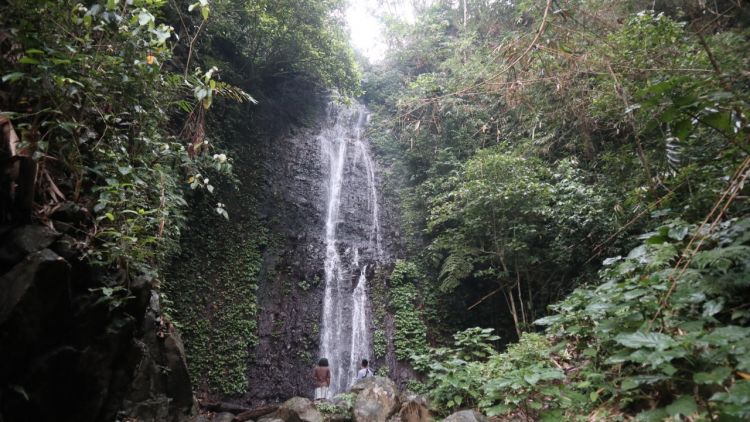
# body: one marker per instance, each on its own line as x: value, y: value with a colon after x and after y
x: 457, y: 266
x: 721, y: 260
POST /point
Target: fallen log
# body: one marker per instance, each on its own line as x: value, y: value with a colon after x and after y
x: 219, y: 407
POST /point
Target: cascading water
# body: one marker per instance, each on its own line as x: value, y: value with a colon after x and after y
x: 345, y: 337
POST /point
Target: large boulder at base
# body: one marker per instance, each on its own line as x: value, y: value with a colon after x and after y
x: 377, y: 399
x: 466, y: 416
x: 296, y: 409
x: 414, y: 408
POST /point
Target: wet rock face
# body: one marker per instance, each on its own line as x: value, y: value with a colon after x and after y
x: 66, y: 356
x: 289, y: 294
x: 295, y: 172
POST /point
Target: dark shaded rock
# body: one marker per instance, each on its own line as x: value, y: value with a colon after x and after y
x: 223, y: 417
x: 65, y: 246
x: 40, y: 267
x: 377, y: 399
x: 75, y: 357
x: 466, y: 416
x: 25, y: 240
x: 157, y: 367
x: 151, y: 410
x: 69, y: 212
x: 228, y: 407
x: 179, y: 388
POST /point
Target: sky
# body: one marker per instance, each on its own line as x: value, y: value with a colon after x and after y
x: 365, y: 29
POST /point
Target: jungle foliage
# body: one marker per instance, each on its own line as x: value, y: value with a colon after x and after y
x: 109, y: 100
x: 529, y: 140
x: 113, y: 103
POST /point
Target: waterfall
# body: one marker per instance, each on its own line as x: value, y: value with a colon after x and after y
x: 352, y: 241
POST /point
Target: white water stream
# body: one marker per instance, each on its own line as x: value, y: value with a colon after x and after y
x: 345, y: 337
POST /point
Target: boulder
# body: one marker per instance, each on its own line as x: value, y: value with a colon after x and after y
x: 466, y: 416
x: 377, y: 399
x: 296, y: 409
x: 25, y: 240
x: 414, y: 408
x: 344, y: 401
x: 179, y: 388
x: 69, y: 212
x: 37, y: 271
x: 66, y: 247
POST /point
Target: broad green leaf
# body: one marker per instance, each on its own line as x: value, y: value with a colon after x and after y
x: 641, y: 339
x: 712, y: 307
x: 721, y: 121
x: 684, y: 405
x: 28, y: 60
x: 717, y: 376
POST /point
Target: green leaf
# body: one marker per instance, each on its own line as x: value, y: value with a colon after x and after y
x: 712, y: 307
x: 532, y: 378
x: 717, y: 376
x: 656, y: 415
x: 650, y: 340
x: 145, y: 18
x: 13, y: 76
x: 679, y: 232
x: 28, y: 60
x: 682, y: 129
x: 721, y: 121
x: 628, y: 384
x: 684, y: 405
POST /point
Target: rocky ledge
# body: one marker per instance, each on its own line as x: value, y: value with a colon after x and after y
x: 374, y: 399
x: 76, y: 347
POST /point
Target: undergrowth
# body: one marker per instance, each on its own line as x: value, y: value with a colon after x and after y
x: 642, y: 344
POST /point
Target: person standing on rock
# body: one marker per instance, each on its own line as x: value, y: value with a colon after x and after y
x: 322, y: 377
x: 365, y: 371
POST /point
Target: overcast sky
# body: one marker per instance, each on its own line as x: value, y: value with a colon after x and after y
x: 365, y: 28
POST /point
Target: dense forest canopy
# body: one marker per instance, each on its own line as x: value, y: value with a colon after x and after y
x: 570, y: 179
x: 533, y: 141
